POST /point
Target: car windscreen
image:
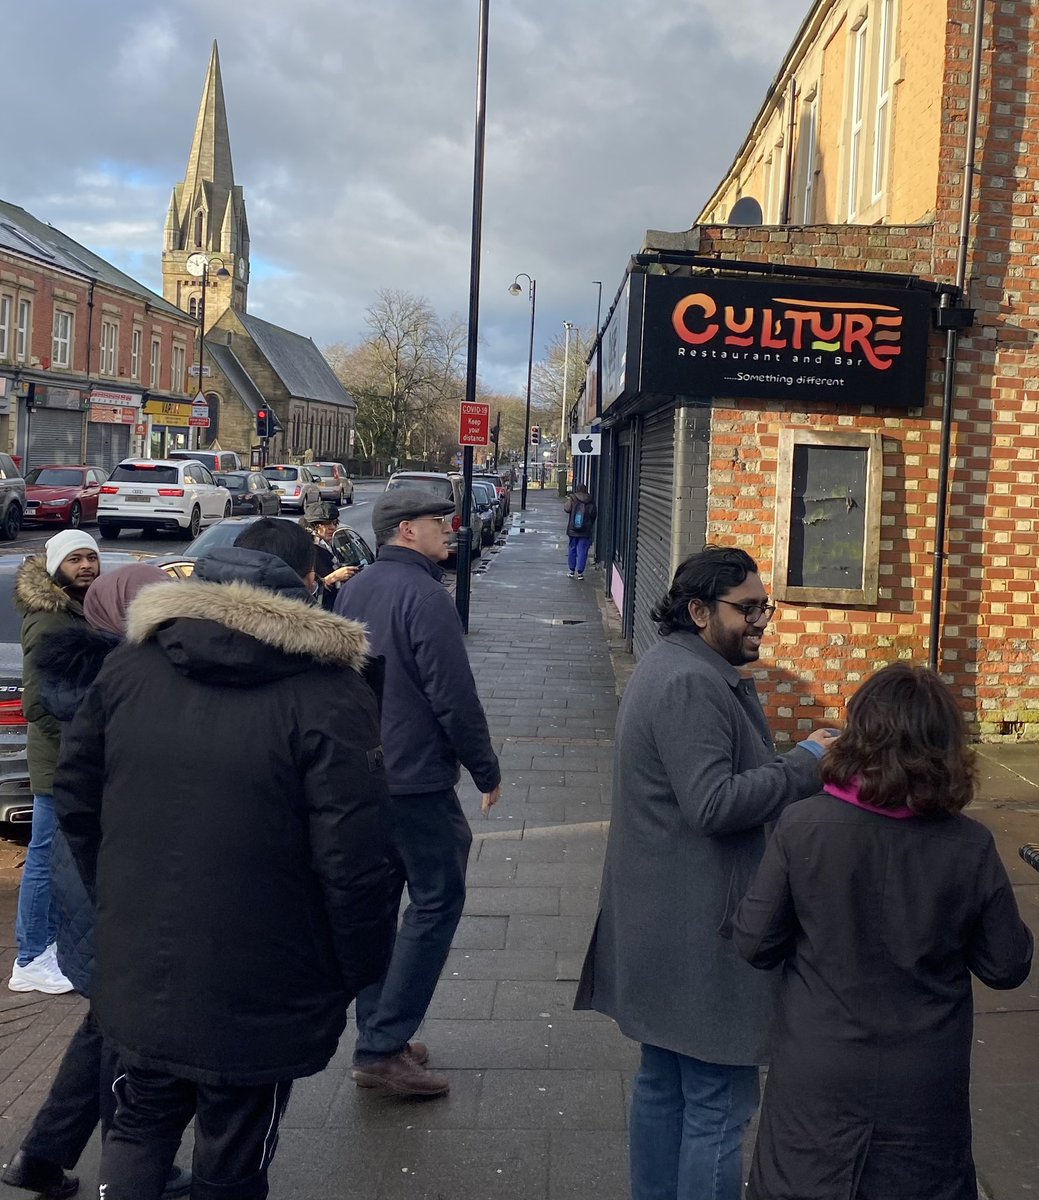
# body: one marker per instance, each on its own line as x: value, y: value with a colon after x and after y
x: 325, y: 470
x: 233, y: 483
x: 143, y: 473
x: 484, y: 492
x: 54, y: 477
x: 282, y: 473
x: 439, y: 487
x: 10, y: 617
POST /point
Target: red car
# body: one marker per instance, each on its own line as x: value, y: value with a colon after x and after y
x: 62, y: 495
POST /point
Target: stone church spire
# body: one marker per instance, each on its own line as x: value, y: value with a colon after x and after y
x: 207, y: 214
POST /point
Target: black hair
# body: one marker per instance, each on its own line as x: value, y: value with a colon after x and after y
x: 703, y: 576
x: 285, y: 540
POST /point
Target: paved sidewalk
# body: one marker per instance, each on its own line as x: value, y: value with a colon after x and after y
x: 539, y: 1093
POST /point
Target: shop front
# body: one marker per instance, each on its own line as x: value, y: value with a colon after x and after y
x: 169, y: 427
x: 50, y: 425
x: 112, y: 422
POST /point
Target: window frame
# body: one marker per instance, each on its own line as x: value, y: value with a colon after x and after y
x: 882, y: 108
x: 136, y: 345
x: 790, y: 438
x: 6, y: 313
x: 856, y: 113
x: 23, y: 331
x: 178, y: 366
x: 108, y: 361
x: 155, y: 364
x: 58, y: 340
x: 811, y: 154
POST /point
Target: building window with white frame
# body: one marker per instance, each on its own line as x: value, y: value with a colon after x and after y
x: 177, y: 369
x: 23, y: 334
x: 857, y: 114
x: 882, y: 117
x: 109, y: 348
x: 811, y: 151
x: 135, y: 352
x: 5, y: 326
x: 61, y: 339
x: 156, y: 363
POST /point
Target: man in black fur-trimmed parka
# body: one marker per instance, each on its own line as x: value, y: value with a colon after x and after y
x: 222, y: 789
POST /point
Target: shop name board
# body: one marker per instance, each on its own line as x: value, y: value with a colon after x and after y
x: 120, y: 399
x: 772, y: 340
x: 168, y: 412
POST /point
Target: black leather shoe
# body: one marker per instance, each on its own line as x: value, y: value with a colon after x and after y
x: 178, y: 1183
x: 40, y: 1176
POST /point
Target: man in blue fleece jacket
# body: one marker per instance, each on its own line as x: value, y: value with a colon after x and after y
x: 432, y: 724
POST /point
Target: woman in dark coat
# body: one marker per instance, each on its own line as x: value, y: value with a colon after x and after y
x: 880, y: 900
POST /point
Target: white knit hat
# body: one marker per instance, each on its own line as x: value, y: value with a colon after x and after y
x: 61, y: 545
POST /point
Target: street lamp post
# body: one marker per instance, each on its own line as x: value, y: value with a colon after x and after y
x: 532, y: 296
x: 561, y: 456
x: 198, y: 265
x: 598, y: 305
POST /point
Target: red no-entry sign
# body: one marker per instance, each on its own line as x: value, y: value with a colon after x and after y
x: 474, y: 425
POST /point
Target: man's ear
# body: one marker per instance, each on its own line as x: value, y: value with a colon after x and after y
x: 700, y: 613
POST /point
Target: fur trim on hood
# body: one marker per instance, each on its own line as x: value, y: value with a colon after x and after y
x: 35, y: 591
x: 288, y: 625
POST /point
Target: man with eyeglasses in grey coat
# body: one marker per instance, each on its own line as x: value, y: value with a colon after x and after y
x: 696, y: 779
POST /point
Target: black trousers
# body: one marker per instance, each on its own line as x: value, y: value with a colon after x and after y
x: 80, y: 1096
x: 236, y: 1134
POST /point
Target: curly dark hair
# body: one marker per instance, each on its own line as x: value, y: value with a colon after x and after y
x: 905, y: 744
x: 703, y: 576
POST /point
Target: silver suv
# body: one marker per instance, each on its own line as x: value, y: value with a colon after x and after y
x: 451, y: 487
x: 12, y: 498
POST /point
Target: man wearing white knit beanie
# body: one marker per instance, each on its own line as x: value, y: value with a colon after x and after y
x: 49, y: 593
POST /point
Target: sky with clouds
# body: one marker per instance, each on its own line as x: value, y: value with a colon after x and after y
x: 352, y: 133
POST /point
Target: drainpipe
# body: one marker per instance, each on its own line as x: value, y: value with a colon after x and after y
x: 951, y: 340
x: 788, y: 184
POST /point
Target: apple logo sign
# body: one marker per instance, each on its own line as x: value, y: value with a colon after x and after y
x: 585, y: 445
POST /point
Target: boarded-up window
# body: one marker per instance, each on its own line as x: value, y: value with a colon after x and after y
x: 828, y: 517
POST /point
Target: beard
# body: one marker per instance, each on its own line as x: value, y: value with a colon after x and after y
x: 73, y: 583
x: 736, y: 646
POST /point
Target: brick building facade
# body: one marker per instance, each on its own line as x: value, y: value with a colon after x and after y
x: 727, y: 479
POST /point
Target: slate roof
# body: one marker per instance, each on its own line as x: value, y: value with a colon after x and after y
x: 297, y: 362
x: 23, y: 234
x: 237, y: 376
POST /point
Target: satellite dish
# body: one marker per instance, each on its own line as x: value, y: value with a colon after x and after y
x: 746, y: 211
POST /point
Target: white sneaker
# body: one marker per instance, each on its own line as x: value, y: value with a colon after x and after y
x: 570, y: 574
x: 41, y: 975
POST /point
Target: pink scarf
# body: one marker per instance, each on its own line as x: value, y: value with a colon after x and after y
x: 850, y: 795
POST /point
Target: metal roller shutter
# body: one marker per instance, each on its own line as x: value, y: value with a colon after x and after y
x: 656, y: 494
x: 107, y: 445
x: 55, y: 436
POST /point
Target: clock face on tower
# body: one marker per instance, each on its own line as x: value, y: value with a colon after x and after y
x: 196, y: 264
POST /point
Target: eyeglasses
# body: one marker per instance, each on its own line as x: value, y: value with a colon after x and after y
x: 439, y: 520
x: 752, y: 613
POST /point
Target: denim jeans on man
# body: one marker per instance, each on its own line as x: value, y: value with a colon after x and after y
x: 36, y: 924
x: 688, y: 1119
x: 577, y: 554
x: 433, y: 838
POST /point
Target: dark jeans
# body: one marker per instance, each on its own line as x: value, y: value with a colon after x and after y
x: 80, y: 1096
x: 433, y: 838
x: 577, y: 553
x: 236, y: 1134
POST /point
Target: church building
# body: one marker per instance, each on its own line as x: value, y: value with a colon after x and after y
x: 248, y: 363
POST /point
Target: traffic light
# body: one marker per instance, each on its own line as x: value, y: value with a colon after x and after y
x: 535, y: 435
x: 494, y: 434
x: 263, y: 420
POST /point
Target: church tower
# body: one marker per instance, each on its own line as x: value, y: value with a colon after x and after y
x: 206, y: 218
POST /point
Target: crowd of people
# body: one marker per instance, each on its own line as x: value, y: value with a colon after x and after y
x: 222, y: 889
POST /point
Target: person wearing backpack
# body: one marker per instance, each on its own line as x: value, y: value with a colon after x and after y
x: 579, y: 529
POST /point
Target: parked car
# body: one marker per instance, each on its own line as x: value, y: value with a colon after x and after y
x: 297, y: 486
x: 217, y: 461
x: 350, y: 546
x: 251, y: 492
x: 334, y: 482
x: 487, y: 504
x: 12, y: 498
x: 501, y: 486
x: 15, y: 791
x: 63, y: 495
x: 451, y: 487
x: 152, y: 494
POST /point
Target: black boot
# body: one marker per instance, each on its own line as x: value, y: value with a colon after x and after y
x: 38, y: 1175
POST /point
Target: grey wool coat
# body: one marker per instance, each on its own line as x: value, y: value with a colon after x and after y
x: 696, y: 778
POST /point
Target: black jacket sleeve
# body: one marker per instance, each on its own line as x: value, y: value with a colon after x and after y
x: 79, y: 781
x: 1000, y: 948
x: 351, y: 843
x: 765, y: 927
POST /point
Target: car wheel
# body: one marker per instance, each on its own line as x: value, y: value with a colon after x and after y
x: 75, y: 515
x: 107, y: 530
x: 227, y: 510
x: 12, y: 523
x: 195, y: 524
x: 350, y: 498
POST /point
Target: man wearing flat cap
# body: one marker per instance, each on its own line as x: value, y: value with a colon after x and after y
x: 432, y: 723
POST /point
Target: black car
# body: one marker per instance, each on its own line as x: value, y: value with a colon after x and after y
x: 350, y: 546
x: 252, y: 494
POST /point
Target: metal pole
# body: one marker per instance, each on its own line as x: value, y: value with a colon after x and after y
x: 201, y: 333
x: 598, y: 305
x: 951, y: 338
x: 533, y: 295
x: 464, y: 553
x: 561, y: 453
